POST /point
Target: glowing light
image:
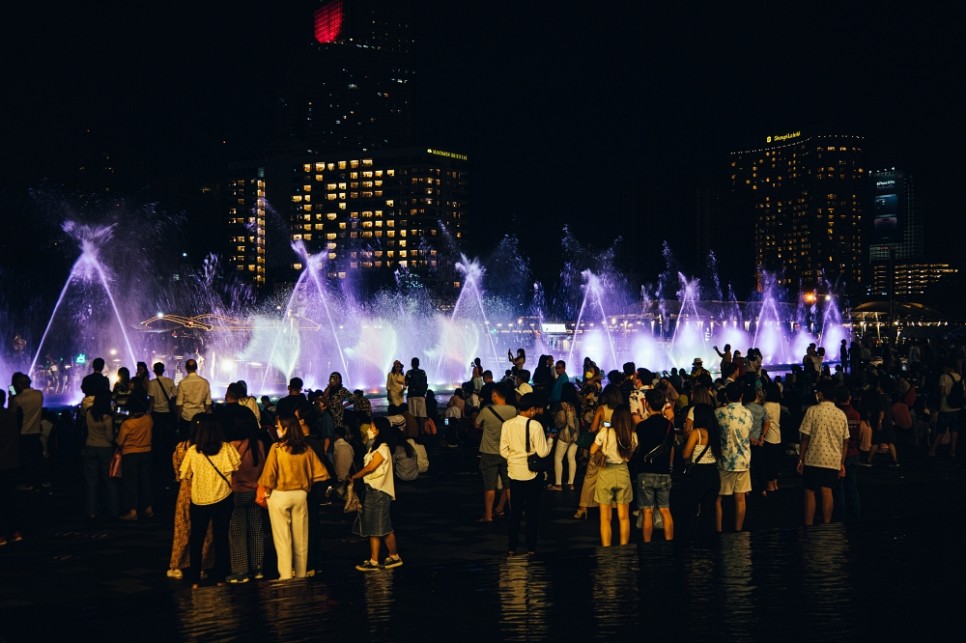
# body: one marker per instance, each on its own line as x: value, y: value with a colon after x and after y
x: 328, y: 22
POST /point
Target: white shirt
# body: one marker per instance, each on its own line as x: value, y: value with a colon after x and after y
x: 161, y: 389
x: 514, y: 448
x: 827, y: 428
x: 381, y: 478
x: 194, y: 395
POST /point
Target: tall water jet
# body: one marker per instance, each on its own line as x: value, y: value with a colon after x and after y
x: 87, y: 270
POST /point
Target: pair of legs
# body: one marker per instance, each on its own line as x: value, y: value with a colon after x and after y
x: 654, y: 489
x: 288, y: 512
x: 947, y: 421
x: 375, y: 546
x: 493, y: 470
x: 137, y: 485
x: 889, y: 446
x: 819, y: 481
x: 737, y: 484
x: 623, y: 520
x: 526, y: 500
x: 219, y: 516
x: 588, y: 490
x: 613, y: 488
x: 560, y: 451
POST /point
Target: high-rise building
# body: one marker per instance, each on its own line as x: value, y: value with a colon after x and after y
x: 350, y: 86
x: 806, y: 196
x: 897, y: 253
x: 246, y: 226
x: 342, y: 169
x: 373, y: 215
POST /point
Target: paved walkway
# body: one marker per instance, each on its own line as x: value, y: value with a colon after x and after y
x: 108, y: 579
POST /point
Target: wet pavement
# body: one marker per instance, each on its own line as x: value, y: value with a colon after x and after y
x: 896, y: 574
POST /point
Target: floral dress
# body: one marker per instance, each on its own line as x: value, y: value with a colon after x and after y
x: 180, y: 558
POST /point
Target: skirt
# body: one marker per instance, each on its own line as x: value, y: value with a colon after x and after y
x: 373, y: 521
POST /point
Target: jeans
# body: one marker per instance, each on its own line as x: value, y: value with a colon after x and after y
x: 96, y: 462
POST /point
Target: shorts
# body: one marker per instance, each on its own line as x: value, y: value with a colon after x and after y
x: 733, y: 482
x: 814, y: 478
x: 613, y: 485
x: 948, y: 420
x: 417, y: 406
x: 493, y: 468
x: 653, y: 490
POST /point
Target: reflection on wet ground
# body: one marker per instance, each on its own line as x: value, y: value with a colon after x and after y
x: 879, y: 579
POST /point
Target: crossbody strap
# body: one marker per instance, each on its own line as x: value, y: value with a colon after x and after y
x: 499, y: 417
x: 217, y: 470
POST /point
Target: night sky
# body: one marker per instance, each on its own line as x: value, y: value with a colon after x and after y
x: 560, y: 105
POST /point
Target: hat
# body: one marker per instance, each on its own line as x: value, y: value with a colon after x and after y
x: 397, y: 363
x: 523, y: 388
x: 697, y: 362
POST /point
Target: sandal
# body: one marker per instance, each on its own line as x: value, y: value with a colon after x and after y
x: 554, y: 487
x: 484, y: 520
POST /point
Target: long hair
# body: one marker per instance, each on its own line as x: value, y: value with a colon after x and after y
x: 700, y: 395
x: 294, y: 439
x: 101, y: 405
x: 611, y: 396
x: 209, y: 437
x: 704, y: 418
x: 386, y: 434
x: 623, y: 426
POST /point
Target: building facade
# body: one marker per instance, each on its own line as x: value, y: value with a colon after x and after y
x: 806, y: 197
x: 246, y: 225
x: 380, y: 214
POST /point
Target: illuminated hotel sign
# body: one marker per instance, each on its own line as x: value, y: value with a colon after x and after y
x: 449, y: 155
x: 778, y: 138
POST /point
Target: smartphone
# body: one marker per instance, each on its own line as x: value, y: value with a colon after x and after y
x: 606, y: 425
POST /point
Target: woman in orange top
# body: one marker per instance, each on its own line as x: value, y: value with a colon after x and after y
x: 134, y: 440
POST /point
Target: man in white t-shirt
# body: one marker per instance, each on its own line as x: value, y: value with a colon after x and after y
x: 821, y: 460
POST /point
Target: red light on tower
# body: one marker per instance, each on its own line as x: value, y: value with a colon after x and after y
x: 328, y: 22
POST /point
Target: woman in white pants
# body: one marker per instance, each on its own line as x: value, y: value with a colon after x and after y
x: 290, y: 470
x: 567, y: 424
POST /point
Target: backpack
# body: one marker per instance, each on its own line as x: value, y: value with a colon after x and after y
x: 955, y: 396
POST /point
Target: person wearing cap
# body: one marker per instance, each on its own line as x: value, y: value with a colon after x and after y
x: 526, y: 487
x: 395, y: 386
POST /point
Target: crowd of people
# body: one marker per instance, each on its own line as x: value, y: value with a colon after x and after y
x: 677, y: 451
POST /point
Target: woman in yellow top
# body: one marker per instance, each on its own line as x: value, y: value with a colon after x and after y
x: 209, y: 463
x: 134, y: 440
x: 291, y: 468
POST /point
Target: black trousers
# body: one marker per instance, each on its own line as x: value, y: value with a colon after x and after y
x: 219, y: 514
x: 524, y: 499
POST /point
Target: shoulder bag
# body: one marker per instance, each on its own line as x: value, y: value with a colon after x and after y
x: 689, y: 466
x: 536, y: 463
x: 661, y: 450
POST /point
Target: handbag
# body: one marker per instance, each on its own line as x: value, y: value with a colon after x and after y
x: 352, y: 502
x: 536, y: 463
x: 599, y: 458
x: 114, y: 468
